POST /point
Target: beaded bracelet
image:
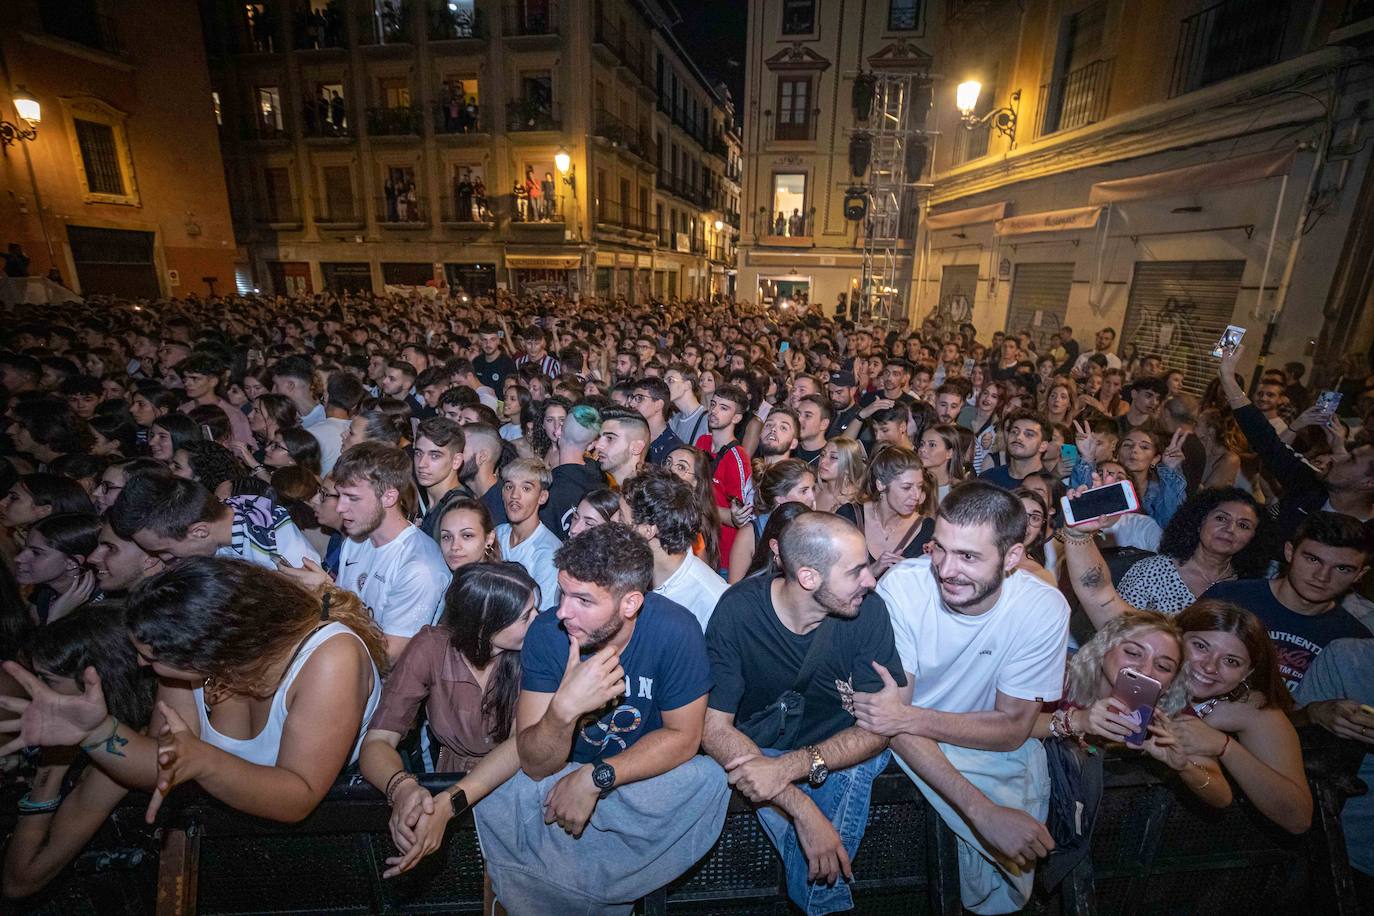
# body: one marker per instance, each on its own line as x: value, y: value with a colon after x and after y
x: 28, y: 806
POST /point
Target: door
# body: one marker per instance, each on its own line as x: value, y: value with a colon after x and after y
x: 1177, y: 311
x: 114, y: 262
x: 1039, y: 298
x: 958, y: 289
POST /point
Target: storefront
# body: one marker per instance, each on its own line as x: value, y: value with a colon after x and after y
x: 474, y: 279
x: 528, y: 273
x: 347, y: 276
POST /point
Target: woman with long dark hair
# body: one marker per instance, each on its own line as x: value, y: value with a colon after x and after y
x: 169, y: 433
x: 789, y: 481
x: 70, y: 800
x: 53, y: 564
x: 896, y: 508
x: 264, y: 690
x: 692, y: 466
x: 466, y: 671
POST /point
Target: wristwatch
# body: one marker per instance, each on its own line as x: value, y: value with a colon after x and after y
x: 459, y: 800
x: 819, y: 771
x: 603, y: 777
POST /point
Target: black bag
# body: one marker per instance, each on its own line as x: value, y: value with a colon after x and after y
x: 1076, y: 783
x: 778, y: 724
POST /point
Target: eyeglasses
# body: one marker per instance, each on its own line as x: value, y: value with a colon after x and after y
x: 276, y: 445
x: 106, y: 487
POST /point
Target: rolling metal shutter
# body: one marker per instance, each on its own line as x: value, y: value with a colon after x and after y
x: 1178, y: 309
x: 1039, y: 298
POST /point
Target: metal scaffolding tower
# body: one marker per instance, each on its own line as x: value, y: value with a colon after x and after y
x: 892, y: 132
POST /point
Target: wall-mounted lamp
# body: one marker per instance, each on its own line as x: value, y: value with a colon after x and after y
x: 719, y: 225
x: 1003, y: 119
x: 30, y: 112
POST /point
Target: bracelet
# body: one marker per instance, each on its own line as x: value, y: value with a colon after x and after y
x: 111, y: 743
x: 1065, y: 536
x: 1204, y: 772
x: 394, y: 783
x: 27, y: 806
x: 1226, y: 744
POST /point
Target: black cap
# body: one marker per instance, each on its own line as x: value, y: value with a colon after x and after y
x: 843, y: 378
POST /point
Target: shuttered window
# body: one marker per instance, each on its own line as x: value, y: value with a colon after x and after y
x: 1178, y: 309
x: 281, y: 206
x: 1039, y: 298
x: 338, y: 192
x: 99, y: 157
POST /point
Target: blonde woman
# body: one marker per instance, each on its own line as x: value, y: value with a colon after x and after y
x: 942, y: 454
x: 840, y: 473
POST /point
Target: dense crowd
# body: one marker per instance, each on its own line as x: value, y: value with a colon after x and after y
x: 609, y: 561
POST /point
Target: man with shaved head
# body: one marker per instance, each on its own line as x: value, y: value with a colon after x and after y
x: 787, y: 655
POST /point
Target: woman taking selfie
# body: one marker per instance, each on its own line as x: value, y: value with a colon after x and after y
x: 466, y: 672
x: 284, y: 681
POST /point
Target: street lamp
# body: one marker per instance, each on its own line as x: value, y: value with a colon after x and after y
x: 563, y: 162
x: 30, y: 112
x: 1003, y: 119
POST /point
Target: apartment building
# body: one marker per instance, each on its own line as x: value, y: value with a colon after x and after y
x: 117, y: 183
x: 520, y: 144
x: 1160, y: 167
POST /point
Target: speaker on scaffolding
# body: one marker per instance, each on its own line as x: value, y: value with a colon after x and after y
x: 856, y: 203
x: 916, y: 154
x: 860, y: 151
x: 922, y: 95
x: 865, y: 85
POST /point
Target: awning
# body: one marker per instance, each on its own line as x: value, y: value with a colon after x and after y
x: 953, y: 219
x: 1193, y: 178
x: 1049, y: 221
x: 543, y: 261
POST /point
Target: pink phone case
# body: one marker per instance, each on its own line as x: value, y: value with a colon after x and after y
x: 1138, y: 693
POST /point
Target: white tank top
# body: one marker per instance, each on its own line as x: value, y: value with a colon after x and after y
x: 262, y: 748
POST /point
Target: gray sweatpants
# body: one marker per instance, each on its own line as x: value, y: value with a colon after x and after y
x: 640, y: 837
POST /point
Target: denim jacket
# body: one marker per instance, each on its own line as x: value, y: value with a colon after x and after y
x: 1163, y: 495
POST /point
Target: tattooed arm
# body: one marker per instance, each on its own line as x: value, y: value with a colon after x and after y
x: 1092, y: 583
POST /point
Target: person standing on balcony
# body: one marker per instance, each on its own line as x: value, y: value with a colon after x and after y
x: 548, y: 190
x: 535, y: 194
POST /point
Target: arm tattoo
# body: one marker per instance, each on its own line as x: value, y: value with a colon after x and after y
x: 111, y: 745
x: 1092, y: 578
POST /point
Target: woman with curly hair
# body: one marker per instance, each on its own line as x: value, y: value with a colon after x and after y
x: 264, y: 690
x: 1215, y: 536
x: 547, y: 426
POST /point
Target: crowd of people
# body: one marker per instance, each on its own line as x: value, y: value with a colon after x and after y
x: 609, y: 562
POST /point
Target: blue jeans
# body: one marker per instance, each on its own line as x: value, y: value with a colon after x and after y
x: 843, y: 798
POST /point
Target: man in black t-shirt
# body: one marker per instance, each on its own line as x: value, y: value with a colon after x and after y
x: 492, y: 365
x: 808, y: 639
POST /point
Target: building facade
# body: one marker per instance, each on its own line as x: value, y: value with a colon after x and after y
x: 120, y: 188
x: 801, y: 118
x: 1175, y: 166
x: 524, y: 144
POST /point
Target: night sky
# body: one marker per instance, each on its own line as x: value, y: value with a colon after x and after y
x: 713, y: 31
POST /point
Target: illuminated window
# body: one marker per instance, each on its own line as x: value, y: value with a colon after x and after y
x: 269, y: 108
x: 788, y: 216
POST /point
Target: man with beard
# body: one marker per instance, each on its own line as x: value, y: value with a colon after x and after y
x: 622, y: 445
x: 778, y: 438
x: 983, y: 647
x: 1027, y: 434
x: 396, y: 570
x: 492, y: 365
x: 808, y: 638
x: 481, y: 454
x: 844, y: 419
x: 612, y: 697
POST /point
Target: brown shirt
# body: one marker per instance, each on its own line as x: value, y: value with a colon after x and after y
x: 432, y: 672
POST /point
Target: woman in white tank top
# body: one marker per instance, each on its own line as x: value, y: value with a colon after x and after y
x: 264, y: 690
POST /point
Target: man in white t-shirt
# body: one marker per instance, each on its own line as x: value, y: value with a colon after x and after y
x: 524, y: 539
x: 396, y: 570
x: 983, y: 646
x: 173, y: 519
x: 664, y: 510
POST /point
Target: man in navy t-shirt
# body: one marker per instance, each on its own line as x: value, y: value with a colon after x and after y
x: 1327, y: 555
x: 612, y: 800
x: 1027, y: 434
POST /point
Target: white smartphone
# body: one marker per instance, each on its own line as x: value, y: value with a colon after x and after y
x: 1328, y: 402
x: 1230, y: 339
x: 1100, y: 502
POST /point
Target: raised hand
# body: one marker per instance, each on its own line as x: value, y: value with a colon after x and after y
x: 1173, y: 454
x: 180, y: 756
x: 49, y: 718
x: 588, y: 685
x: 1083, y: 439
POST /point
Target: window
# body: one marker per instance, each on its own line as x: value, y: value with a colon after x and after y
x: 394, y: 91
x: 338, y: 194
x: 794, y: 108
x: 399, y: 195
x: 269, y: 109
x: 789, y: 204
x: 1078, y: 92
x: 470, y: 194
x: 903, y: 15
x: 281, y: 206
x: 327, y: 113
x: 214, y: 104
x: 798, y: 17
x: 99, y: 157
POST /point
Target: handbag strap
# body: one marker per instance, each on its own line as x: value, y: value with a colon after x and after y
x: 813, y: 654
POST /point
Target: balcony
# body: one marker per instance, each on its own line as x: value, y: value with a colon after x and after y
x: 1226, y: 40
x: 320, y: 31
x: 389, y: 22
x: 467, y: 212
x: 401, y: 209
x: 281, y: 214
x: 341, y: 213
x: 529, y: 19
x: 79, y: 24
x: 1076, y: 99
x: 446, y: 24
x: 400, y: 121
x: 783, y: 231
x: 793, y: 129
x: 261, y: 132
x: 459, y: 120
x: 530, y: 115
x: 327, y: 121
x: 622, y: 136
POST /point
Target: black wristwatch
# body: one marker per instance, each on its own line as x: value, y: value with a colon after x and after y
x: 603, y: 777
x: 819, y: 771
x: 459, y: 801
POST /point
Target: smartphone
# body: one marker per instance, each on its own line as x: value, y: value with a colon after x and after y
x: 1230, y: 339
x: 1101, y: 502
x: 1068, y: 452
x: 784, y: 347
x: 1328, y: 402
x: 1138, y: 693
